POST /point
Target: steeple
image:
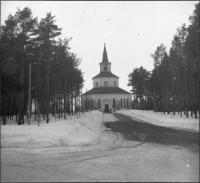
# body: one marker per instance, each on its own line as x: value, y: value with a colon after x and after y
x: 105, y: 57
x: 105, y: 66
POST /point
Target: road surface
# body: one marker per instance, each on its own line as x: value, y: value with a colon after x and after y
x: 127, y: 150
x: 147, y: 133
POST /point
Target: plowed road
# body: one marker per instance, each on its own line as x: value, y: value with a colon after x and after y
x: 127, y: 151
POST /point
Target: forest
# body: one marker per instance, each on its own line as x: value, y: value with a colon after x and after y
x: 37, y: 66
x: 173, y: 84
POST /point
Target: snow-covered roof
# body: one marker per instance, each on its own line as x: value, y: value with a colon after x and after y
x: 105, y: 74
x: 106, y: 90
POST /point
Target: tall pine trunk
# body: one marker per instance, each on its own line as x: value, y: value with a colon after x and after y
x: 186, y: 93
x: 21, y: 95
x: 47, y: 92
x: 65, y: 97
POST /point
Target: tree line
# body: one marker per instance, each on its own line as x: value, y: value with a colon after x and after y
x: 173, y: 84
x: 29, y: 46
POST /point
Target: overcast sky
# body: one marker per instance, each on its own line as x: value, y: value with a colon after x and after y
x: 131, y: 30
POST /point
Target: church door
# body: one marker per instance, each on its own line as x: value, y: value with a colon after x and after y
x: 107, y: 108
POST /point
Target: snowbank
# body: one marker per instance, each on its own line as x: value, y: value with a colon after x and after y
x: 172, y: 121
x: 73, y: 131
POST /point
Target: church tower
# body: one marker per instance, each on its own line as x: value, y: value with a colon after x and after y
x: 105, y: 78
x: 106, y: 95
x: 105, y: 66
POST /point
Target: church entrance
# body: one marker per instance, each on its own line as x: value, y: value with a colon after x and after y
x: 107, y: 108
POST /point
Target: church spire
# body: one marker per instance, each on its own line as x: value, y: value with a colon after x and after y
x: 105, y: 57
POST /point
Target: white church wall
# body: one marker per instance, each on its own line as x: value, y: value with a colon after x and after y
x: 109, y: 79
x: 96, y: 80
x: 107, y: 99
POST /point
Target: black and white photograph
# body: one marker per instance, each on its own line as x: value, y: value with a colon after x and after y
x: 99, y: 91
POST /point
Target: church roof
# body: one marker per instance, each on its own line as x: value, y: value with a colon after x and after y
x: 106, y: 90
x: 105, y: 74
x: 105, y: 57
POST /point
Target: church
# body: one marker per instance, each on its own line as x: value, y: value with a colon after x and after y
x: 106, y: 95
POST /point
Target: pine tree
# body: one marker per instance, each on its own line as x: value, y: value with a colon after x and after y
x: 47, y: 31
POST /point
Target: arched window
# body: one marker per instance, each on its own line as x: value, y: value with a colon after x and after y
x: 105, y: 68
x: 99, y: 104
x: 91, y: 106
x: 105, y: 83
x: 113, y: 103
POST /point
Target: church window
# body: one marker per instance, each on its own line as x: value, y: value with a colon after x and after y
x: 105, y: 68
x: 105, y: 83
x: 96, y: 84
x: 99, y: 104
x: 115, y: 83
x: 124, y: 103
x: 91, y: 106
x: 121, y: 102
x: 127, y: 103
x: 113, y: 103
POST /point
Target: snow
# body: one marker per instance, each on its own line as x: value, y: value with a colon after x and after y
x: 83, y: 130
x: 166, y: 120
x: 71, y: 132
x: 26, y: 148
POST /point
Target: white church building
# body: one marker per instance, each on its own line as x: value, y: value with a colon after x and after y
x: 106, y: 95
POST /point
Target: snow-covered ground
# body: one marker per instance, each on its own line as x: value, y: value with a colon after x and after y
x: 26, y: 156
x: 83, y: 130
x: 71, y: 132
x: 172, y: 121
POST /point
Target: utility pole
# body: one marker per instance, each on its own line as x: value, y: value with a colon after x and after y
x: 65, y: 98
x: 75, y: 99
x: 86, y: 100
x: 154, y: 97
x: 184, y: 63
x: 0, y: 87
x: 81, y: 101
x: 39, y: 98
x: 29, y: 114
